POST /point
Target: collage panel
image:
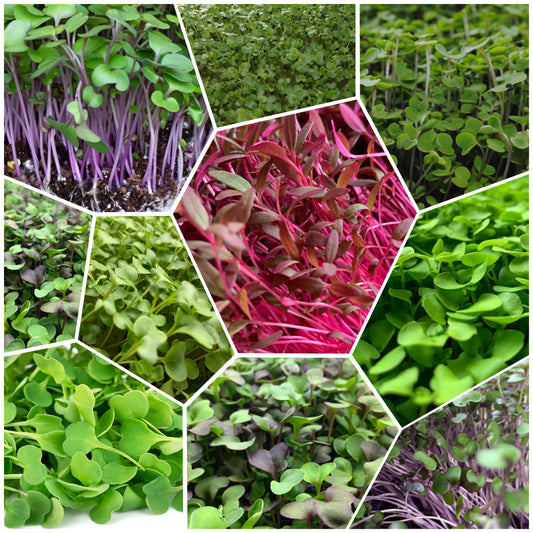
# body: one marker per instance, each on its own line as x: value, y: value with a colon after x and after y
x: 297, y: 232
x: 294, y: 224
x: 455, y: 309
x: 447, y: 87
x: 257, y: 60
x: 146, y: 309
x: 283, y: 443
x: 45, y: 254
x: 82, y: 439
x: 103, y: 107
x: 465, y: 466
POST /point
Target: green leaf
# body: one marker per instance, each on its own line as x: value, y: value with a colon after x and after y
x: 289, y: 479
x: 103, y: 75
x: 466, y: 141
x: 231, y: 180
x: 206, y: 518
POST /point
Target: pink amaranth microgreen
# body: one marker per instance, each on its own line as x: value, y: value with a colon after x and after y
x: 294, y: 224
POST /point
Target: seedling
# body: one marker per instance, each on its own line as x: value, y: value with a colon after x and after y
x: 258, y: 60
x: 81, y: 436
x: 455, y: 309
x: 44, y: 261
x: 275, y: 463
x: 146, y: 309
x: 448, y: 90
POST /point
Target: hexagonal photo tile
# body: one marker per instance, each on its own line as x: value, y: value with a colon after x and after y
x: 45, y: 245
x: 464, y: 466
x: 84, y: 441
x: 103, y: 106
x: 146, y: 309
x: 283, y: 443
x: 448, y: 89
x: 294, y: 224
x: 454, y: 310
x: 258, y: 60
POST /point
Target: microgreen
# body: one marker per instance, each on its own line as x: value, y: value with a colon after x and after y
x: 294, y: 224
x: 71, y: 443
x: 145, y: 306
x: 447, y: 88
x: 455, y: 309
x: 300, y: 456
x: 462, y: 467
x: 44, y: 260
x: 258, y: 60
x: 93, y: 90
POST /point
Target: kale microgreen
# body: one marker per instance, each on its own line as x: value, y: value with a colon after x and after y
x: 146, y: 308
x: 294, y: 224
x: 96, y: 88
x: 74, y: 441
x: 462, y: 467
x: 455, y: 309
x: 300, y: 455
x: 447, y: 87
x: 44, y: 260
x: 258, y: 60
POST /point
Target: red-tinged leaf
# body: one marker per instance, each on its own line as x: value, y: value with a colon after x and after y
x: 289, y: 131
x: 231, y: 239
x: 353, y: 118
x: 306, y: 283
x: 318, y: 126
x: 315, y: 238
x: 311, y: 257
x: 228, y: 193
x: 350, y: 291
x: 307, y: 192
x: 372, y: 196
x: 343, y: 139
x: 212, y: 278
x: 332, y: 246
x: 332, y: 204
x: 348, y: 174
x: 270, y: 149
x: 243, y: 298
x: 194, y: 208
x: 344, y: 246
x: 287, y: 240
x: 335, y: 193
x: 342, y: 148
x: 329, y: 269
x: 288, y: 169
x: 264, y: 343
x: 309, y: 164
x: 236, y: 326
x: 400, y: 231
x: 261, y: 181
x: 357, y: 239
x: 363, y: 183
x: 280, y: 267
x: 240, y: 211
x: 35, y: 277
x: 302, y: 136
x: 263, y: 217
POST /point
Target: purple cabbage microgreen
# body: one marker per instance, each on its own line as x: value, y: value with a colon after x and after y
x: 270, y: 464
x: 100, y: 93
x: 465, y: 466
x: 44, y: 261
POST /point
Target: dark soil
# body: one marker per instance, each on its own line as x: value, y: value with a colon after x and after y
x: 131, y: 197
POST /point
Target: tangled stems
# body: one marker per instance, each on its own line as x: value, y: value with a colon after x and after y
x: 464, y: 467
x: 295, y: 223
